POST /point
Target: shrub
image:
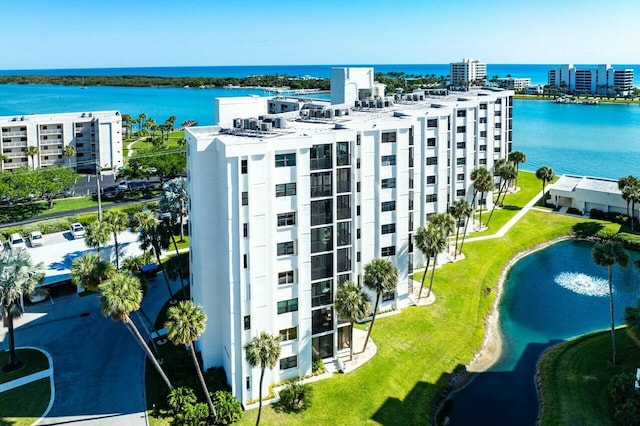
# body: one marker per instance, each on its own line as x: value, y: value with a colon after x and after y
x: 185, y: 408
x: 295, y: 397
x: 621, y: 387
x: 228, y: 408
x: 317, y: 367
x: 216, y: 380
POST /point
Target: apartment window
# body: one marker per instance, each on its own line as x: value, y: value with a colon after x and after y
x: 388, y: 137
x: 247, y: 382
x: 460, y: 176
x: 497, y: 138
x: 482, y: 120
x: 388, y: 160
x: 245, y: 261
x: 286, y: 160
x: 321, y: 321
x: 357, y: 186
x: 483, y: 106
x: 321, y: 239
x: 243, y: 167
x: 343, y: 237
x: 358, y: 163
x: 461, y: 113
x: 320, y: 157
x: 461, y: 161
x: 389, y: 228
x: 358, y: 233
x: 321, y: 184
x: 482, y: 147
x: 344, y: 260
x: 343, y: 206
x: 286, y: 248
x: 432, y: 161
x: 432, y: 122
x: 321, y: 293
x: 388, y: 206
x: 498, y: 125
x: 410, y: 157
x: 388, y: 296
x: 245, y: 230
x: 498, y: 113
x: 321, y: 266
x: 461, y: 129
x: 431, y: 198
x: 247, y: 322
x: 285, y: 189
x: 289, y: 334
x: 460, y: 192
x: 358, y: 138
x: 245, y: 198
x: 343, y: 152
x: 343, y: 177
x: 388, y: 251
x: 483, y: 133
x: 287, y: 219
x: 358, y: 257
x: 431, y: 142
x: 286, y: 277
x: 482, y: 161
x: 285, y: 306
x: 431, y: 180
x: 496, y: 149
x: 288, y: 362
x: 461, y: 145
x: 388, y: 183
x: 321, y: 212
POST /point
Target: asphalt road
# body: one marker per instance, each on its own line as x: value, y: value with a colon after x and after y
x: 98, y: 366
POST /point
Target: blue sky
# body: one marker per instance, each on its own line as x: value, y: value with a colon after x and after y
x: 136, y: 33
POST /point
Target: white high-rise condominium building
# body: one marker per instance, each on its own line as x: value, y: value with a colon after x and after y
x: 95, y: 136
x: 602, y: 80
x: 469, y: 71
x: 289, y: 198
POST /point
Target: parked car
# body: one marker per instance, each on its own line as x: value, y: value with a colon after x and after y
x: 37, y: 296
x: 122, y: 186
x: 36, y: 239
x: 77, y: 230
x: 16, y: 242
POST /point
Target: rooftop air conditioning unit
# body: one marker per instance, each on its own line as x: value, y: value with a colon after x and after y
x: 265, y: 127
x: 237, y: 123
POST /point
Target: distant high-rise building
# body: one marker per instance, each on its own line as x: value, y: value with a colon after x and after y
x: 291, y: 197
x: 603, y: 80
x: 467, y: 72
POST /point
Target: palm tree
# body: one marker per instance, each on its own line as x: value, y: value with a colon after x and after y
x: 445, y: 223
x: 3, y: 159
x: 97, y: 234
x: 141, y: 120
x: 263, y: 351
x: 185, y: 324
x: 18, y: 276
x: 380, y: 276
x: 425, y: 240
x: 88, y: 271
x: 622, y: 183
x: 517, y: 158
x: 631, y: 194
x: 438, y: 244
x: 127, y: 122
x: 608, y: 253
x: 31, y: 152
x: 175, y: 198
x: 69, y: 151
x: 460, y: 210
x: 117, y: 222
x: 482, y: 183
x: 151, y: 236
x: 351, y: 304
x: 546, y: 175
x: 507, y: 173
x: 632, y: 319
x: 119, y: 296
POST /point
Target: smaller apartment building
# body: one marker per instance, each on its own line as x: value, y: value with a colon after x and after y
x: 95, y: 136
x: 603, y: 80
x: 286, y: 206
x: 585, y: 193
x: 467, y: 71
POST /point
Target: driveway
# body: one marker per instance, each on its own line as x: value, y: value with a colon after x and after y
x: 98, y: 366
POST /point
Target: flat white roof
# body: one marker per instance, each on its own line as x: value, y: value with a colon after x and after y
x: 587, y: 183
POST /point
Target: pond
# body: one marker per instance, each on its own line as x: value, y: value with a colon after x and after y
x: 549, y: 296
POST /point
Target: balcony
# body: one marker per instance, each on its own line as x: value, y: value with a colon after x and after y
x: 50, y: 131
x: 16, y: 133
x: 19, y: 144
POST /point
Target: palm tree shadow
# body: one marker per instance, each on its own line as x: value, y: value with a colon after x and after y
x: 587, y: 229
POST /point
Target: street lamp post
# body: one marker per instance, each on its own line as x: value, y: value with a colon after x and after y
x: 98, y: 177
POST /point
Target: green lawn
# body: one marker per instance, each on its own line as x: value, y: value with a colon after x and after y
x: 68, y: 204
x: 575, y: 376
x: 25, y: 404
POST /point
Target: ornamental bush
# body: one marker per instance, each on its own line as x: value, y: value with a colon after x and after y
x: 295, y: 397
x: 228, y: 408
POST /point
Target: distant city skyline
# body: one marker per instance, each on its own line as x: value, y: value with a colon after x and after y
x: 68, y: 34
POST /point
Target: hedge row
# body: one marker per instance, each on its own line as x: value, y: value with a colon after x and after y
x: 60, y: 225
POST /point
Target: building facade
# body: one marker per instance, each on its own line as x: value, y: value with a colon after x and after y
x: 602, y: 80
x: 513, y: 83
x: 284, y: 207
x: 95, y: 136
x: 467, y: 71
x: 585, y: 193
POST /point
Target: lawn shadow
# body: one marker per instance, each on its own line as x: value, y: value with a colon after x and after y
x: 587, y: 229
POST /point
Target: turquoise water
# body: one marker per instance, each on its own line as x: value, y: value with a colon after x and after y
x: 549, y: 296
x: 601, y: 140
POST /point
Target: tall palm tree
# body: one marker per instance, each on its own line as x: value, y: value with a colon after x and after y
x: 97, y: 234
x: 3, y: 159
x: 89, y: 271
x: 517, y: 158
x: 632, y: 319
x: 127, y: 122
x: 444, y: 222
x: 438, y: 244
x: 380, y: 276
x: 460, y: 210
x: 175, y: 198
x: 425, y: 241
x: 185, y: 324
x: 18, y: 276
x: 609, y: 253
x: 141, y: 120
x: 507, y: 173
x: 546, y: 175
x: 117, y: 221
x: 482, y: 183
x: 622, y: 183
x: 119, y: 296
x: 152, y: 237
x: 31, y: 152
x: 631, y: 193
x: 263, y: 351
x: 351, y: 304
x: 69, y: 151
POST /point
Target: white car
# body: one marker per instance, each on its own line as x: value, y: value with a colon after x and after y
x: 16, y: 242
x: 77, y: 230
x: 36, y: 239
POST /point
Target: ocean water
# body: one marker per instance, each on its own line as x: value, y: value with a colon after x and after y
x: 537, y: 72
x: 549, y: 296
x: 602, y: 140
